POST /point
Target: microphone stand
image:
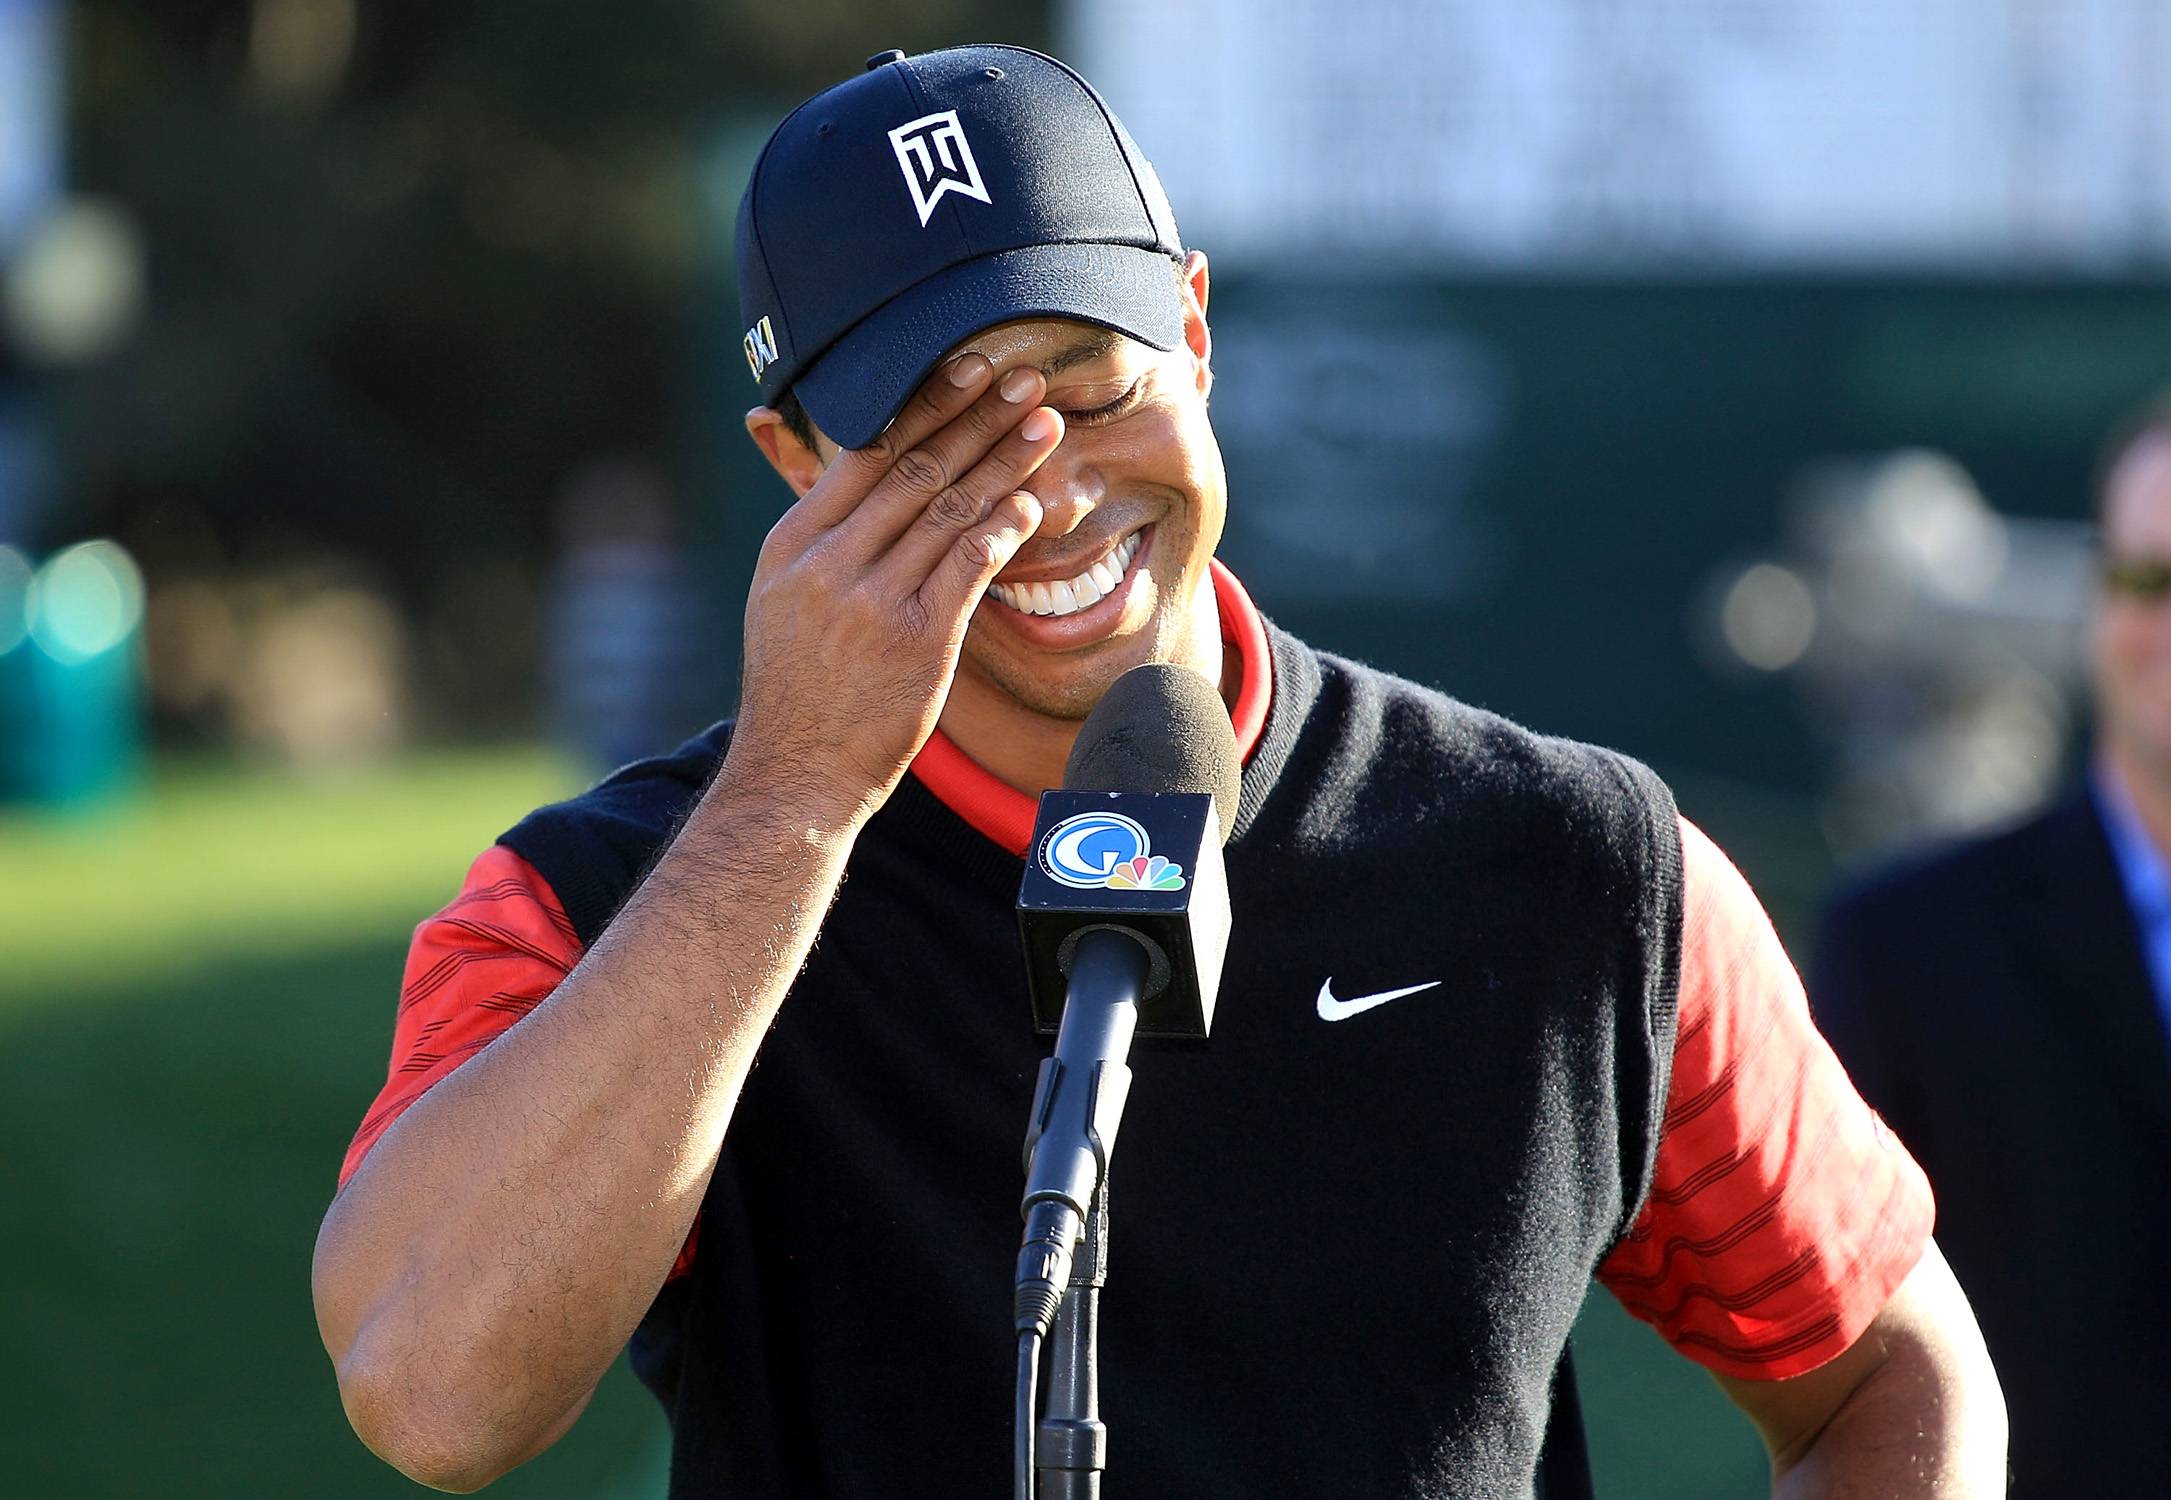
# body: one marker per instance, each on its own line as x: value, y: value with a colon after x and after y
x: 1071, y: 1448
x: 1149, y: 763
x: 1077, y: 1107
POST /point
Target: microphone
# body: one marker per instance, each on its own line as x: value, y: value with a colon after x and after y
x: 1124, y: 913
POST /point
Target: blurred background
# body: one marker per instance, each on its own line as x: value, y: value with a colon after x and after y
x: 1717, y: 380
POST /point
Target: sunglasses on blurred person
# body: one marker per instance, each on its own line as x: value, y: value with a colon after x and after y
x: 2145, y: 580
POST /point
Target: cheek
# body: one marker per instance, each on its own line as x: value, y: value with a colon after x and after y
x: 1138, y: 446
x: 2133, y: 649
x: 1155, y: 444
x: 1185, y: 456
x: 1166, y: 448
x: 2123, y: 633
x: 1206, y: 481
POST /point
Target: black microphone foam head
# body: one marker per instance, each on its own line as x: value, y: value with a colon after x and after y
x: 1159, y: 728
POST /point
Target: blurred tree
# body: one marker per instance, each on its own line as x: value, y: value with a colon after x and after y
x: 409, y: 265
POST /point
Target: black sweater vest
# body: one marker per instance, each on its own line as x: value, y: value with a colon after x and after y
x: 1345, y: 1256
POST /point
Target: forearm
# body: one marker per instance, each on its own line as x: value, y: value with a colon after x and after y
x: 493, y: 1253
x: 502, y: 1239
x: 1929, y: 1422
x: 1910, y: 1409
x: 1926, y: 1443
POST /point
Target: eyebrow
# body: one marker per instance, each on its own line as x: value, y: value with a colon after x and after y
x: 1089, y: 348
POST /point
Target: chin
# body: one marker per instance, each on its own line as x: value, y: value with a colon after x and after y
x: 1069, y: 693
x: 1068, y: 685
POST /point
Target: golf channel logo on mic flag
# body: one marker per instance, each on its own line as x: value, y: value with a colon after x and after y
x: 1098, y: 851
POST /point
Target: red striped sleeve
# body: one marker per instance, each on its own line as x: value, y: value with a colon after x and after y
x: 1782, y: 1214
x: 473, y: 970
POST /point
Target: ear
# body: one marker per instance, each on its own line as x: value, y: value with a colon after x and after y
x: 791, y: 458
x: 1197, y: 337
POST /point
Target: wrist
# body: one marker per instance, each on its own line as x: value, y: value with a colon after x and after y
x: 790, y: 795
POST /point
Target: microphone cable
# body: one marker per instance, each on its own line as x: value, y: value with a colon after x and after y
x: 1028, y: 1413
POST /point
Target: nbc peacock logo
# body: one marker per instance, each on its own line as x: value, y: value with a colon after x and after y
x: 1098, y: 851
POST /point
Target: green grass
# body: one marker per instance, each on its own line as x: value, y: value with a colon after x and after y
x: 171, y: 1149
x: 213, y: 860
x: 195, y: 1007
x: 196, y: 995
x: 1658, y: 1427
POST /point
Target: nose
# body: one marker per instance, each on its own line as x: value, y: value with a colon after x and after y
x: 1068, y: 486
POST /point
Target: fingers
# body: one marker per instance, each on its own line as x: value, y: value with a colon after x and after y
x: 939, y: 399
x: 929, y: 529
x: 944, y: 394
x: 962, y: 574
x: 945, y: 475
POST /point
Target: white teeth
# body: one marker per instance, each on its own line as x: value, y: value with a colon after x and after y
x: 1072, y: 595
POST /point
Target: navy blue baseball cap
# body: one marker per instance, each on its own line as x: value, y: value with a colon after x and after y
x: 928, y: 198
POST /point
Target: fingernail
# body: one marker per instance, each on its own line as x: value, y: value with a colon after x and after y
x: 1018, y: 384
x: 968, y: 369
x: 1038, y: 427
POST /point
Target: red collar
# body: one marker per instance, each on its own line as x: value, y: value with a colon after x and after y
x: 1005, y: 814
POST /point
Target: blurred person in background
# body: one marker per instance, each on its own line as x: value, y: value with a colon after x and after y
x: 628, y: 628
x: 1554, y: 1035
x: 2006, y: 1004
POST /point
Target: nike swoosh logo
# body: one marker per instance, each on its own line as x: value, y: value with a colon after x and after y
x: 1331, y: 1009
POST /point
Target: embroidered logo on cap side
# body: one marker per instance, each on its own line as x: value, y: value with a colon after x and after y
x: 760, y: 346
x: 937, y: 159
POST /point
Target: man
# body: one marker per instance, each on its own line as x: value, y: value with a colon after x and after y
x: 1349, y: 1247
x: 2006, y: 1004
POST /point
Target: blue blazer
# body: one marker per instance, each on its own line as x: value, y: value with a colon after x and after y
x: 1992, y: 1001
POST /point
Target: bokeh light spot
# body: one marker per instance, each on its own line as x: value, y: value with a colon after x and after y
x: 85, y: 600
x: 77, y: 286
x: 1769, y: 617
x: 15, y: 575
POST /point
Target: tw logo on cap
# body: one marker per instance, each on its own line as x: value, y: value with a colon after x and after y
x: 937, y: 159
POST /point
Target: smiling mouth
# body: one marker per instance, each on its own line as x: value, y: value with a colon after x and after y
x: 1070, y: 595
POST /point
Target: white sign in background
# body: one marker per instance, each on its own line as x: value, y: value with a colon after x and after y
x: 1654, y: 134
x: 29, y: 114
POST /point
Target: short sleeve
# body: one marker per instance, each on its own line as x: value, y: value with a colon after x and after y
x: 1782, y: 1214
x: 472, y: 970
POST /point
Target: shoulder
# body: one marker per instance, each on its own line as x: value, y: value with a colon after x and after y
x: 473, y: 970
x: 1907, y: 944
x: 1781, y: 1215
x: 1956, y: 882
x: 594, y: 848
x: 1396, y: 750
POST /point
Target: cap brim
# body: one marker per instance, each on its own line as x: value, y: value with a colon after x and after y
x: 864, y: 379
